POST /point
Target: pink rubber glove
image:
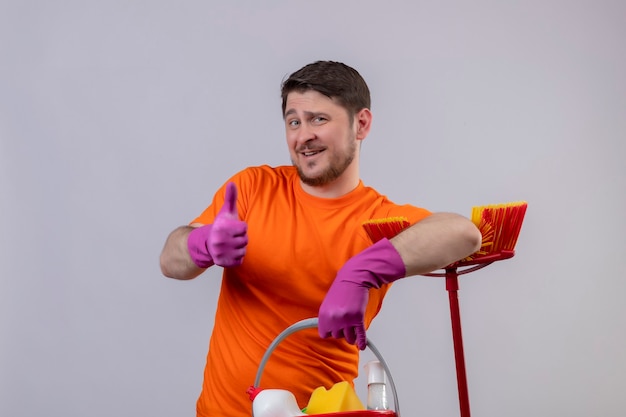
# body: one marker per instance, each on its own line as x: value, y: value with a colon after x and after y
x: 343, y: 310
x: 224, y: 242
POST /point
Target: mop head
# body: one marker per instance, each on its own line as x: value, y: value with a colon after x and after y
x: 388, y: 227
x: 500, y: 225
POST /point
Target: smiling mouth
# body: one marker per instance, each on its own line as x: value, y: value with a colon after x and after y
x: 308, y: 153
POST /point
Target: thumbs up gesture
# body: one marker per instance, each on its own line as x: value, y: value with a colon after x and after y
x: 228, y: 238
x: 224, y: 242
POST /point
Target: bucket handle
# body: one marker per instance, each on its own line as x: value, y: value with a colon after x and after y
x: 312, y: 323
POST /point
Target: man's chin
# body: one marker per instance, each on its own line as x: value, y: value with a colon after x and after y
x: 320, y: 176
x: 319, y: 180
x: 311, y: 178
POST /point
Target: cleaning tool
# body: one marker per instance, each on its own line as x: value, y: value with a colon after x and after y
x: 376, y: 387
x: 388, y: 227
x: 500, y: 225
x: 340, y: 397
x: 281, y: 405
x: 274, y: 403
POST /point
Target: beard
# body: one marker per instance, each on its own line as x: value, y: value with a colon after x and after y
x: 337, y: 165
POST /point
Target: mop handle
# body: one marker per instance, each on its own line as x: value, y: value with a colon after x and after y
x: 312, y: 323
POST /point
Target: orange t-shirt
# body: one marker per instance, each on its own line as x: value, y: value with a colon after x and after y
x: 297, y: 243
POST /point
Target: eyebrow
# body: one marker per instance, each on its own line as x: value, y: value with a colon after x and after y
x: 306, y: 113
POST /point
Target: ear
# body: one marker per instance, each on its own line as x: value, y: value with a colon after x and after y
x: 363, y: 120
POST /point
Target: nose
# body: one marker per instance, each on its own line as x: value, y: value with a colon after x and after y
x: 304, y: 134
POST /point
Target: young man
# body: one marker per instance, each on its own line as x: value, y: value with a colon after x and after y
x: 292, y: 245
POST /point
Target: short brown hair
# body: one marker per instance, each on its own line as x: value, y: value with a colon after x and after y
x: 335, y: 80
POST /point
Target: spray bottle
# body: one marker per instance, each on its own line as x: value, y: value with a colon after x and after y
x: 376, y: 388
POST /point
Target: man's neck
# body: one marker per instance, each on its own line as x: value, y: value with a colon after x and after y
x: 335, y: 189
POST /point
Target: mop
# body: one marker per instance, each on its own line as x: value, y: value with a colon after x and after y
x: 500, y: 225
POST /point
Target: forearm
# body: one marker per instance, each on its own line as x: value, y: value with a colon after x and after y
x: 433, y: 243
x: 436, y: 242
x: 175, y: 259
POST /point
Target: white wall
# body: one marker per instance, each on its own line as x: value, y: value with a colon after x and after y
x: 119, y: 119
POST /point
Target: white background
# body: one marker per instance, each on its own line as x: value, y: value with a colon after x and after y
x: 119, y: 119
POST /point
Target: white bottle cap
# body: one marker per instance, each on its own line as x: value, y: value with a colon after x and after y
x: 375, y: 372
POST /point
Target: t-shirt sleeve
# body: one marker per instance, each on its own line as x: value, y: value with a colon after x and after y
x: 412, y: 213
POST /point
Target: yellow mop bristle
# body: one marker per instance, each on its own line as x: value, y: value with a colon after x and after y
x: 500, y: 225
x: 387, y: 227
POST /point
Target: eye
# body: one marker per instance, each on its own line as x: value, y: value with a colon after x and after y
x: 293, y: 123
x: 319, y: 120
